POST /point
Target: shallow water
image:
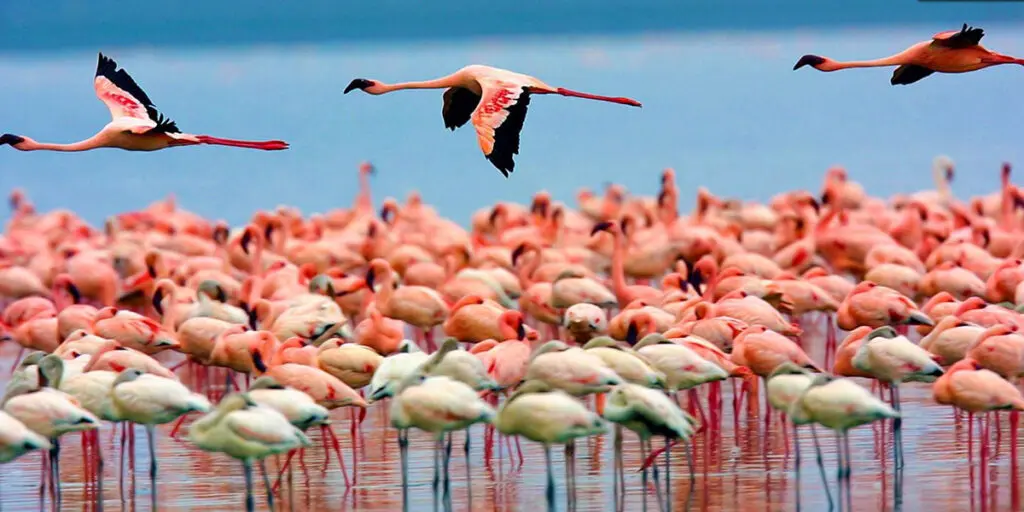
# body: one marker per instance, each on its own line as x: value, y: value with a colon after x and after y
x: 731, y: 474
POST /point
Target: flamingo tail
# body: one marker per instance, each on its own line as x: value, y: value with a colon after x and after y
x: 270, y: 145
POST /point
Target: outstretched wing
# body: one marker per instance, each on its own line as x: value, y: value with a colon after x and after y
x: 498, y: 120
x: 908, y: 74
x: 119, y: 92
x: 459, y: 104
x: 963, y: 38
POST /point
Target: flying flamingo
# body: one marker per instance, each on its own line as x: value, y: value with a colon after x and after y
x: 494, y: 99
x: 136, y: 123
x: 948, y: 52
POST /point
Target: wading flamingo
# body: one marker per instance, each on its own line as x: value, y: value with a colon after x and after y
x: 494, y: 99
x: 838, y: 404
x: 784, y: 387
x: 136, y: 123
x: 649, y: 413
x: 971, y: 387
x: 546, y: 415
x: 953, y: 51
x: 439, y: 405
x: 247, y: 431
x: 150, y: 400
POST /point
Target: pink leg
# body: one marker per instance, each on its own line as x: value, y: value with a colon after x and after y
x: 280, y: 474
x: 177, y: 425
x: 337, y: 452
x: 325, y: 439
x: 355, y: 442
x: 17, y: 359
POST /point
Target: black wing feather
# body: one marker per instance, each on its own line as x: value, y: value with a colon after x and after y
x: 106, y: 67
x: 967, y: 37
x: 506, y: 136
x: 908, y: 74
x: 459, y: 104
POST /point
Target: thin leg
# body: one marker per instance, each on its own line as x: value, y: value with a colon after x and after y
x: 821, y: 466
x: 849, y: 471
x: 98, y: 468
x: 840, y: 471
x: 437, y: 468
x: 897, y: 427
x: 643, y: 476
x: 266, y: 484
x: 152, y: 466
x: 550, y: 490
x: 250, y: 502
x: 796, y: 463
x: 469, y: 473
x: 403, y: 450
x: 657, y: 481
x: 447, y: 484
x: 668, y: 476
x: 55, y: 467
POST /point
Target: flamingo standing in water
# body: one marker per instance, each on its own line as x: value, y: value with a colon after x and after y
x: 136, y: 123
x: 494, y: 99
x: 953, y: 51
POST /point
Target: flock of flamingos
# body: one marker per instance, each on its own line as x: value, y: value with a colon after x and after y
x: 163, y: 313
x: 266, y: 329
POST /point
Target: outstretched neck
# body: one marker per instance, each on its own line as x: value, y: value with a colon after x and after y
x: 834, y: 65
x: 439, y: 83
x: 83, y: 145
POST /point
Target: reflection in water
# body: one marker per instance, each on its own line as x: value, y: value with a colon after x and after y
x: 750, y: 470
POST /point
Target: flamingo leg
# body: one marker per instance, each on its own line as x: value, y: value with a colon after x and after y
x: 55, y: 470
x: 337, y: 452
x: 821, y: 466
x: 266, y: 484
x: 657, y: 481
x: 668, y: 476
x: 796, y: 462
x: 98, y: 469
x: 354, y: 431
x: 469, y: 474
x: 437, y: 468
x: 849, y: 471
x: 250, y: 501
x: 152, y: 465
x: 403, y: 448
x: 549, y: 490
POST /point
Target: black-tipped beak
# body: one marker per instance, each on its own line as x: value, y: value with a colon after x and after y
x: 370, y: 275
x: 517, y: 253
x: 521, y: 331
x: 809, y: 60
x: 158, y: 298
x: 358, y: 83
x: 632, y: 334
x: 245, y: 241
x: 601, y: 226
x: 10, y: 138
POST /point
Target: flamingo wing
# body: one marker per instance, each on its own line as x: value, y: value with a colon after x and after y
x: 459, y: 104
x: 963, y: 38
x: 498, y: 119
x: 119, y: 92
x: 908, y: 74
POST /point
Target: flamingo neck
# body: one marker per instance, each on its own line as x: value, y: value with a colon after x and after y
x: 439, y: 83
x: 834, y: 65
x: 84, y: 145
x: 618, y: 267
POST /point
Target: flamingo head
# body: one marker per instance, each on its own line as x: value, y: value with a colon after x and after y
x: 13, y: 140
x: 610, y: 227
x: 814, y: 61
x: 367, y: 86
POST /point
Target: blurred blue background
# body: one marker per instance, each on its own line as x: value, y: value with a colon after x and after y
x: 721, y: 102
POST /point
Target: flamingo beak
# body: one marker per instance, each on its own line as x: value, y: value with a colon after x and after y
x: 809, y: 60
x: 9, y: 138
x: 358, y: 83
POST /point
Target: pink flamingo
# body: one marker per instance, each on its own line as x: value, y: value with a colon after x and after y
x: 136, y: 124
x: 494, y: 99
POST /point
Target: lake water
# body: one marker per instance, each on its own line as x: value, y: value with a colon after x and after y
x: 725, y: 109
x: 751, y: 472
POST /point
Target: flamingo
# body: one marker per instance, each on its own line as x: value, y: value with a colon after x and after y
x: 838, y: 404
x: 784, y: 387
x: 648, y: 413
x: 953, y: 51
x: 495, y: 100
x: 16, y: 439
x: 547, y: 415
x: 136, y: 123
x: 245, y: 430
x: 151, y: 400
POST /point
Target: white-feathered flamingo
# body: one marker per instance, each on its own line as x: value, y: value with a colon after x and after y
x: 136, y: 123
x: 495, y: 100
